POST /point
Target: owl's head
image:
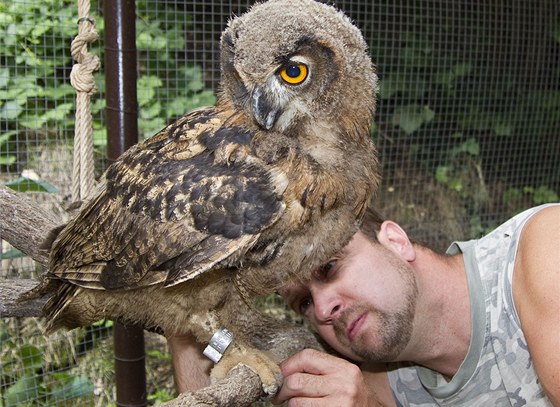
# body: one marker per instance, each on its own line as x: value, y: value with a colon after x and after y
x: 289, y: 63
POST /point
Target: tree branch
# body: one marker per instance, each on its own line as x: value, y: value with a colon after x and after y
x: 24, y: 224
x: 240, y: 387
x: 10, y: 291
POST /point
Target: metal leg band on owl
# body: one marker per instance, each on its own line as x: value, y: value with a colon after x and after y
x: 218, y: 345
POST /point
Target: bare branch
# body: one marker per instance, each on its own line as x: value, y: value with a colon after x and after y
x: 240, y: 387
x: 24, y: 224
x: 10, y: 290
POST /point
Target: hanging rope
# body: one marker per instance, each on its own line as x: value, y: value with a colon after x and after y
x: 82, y: 80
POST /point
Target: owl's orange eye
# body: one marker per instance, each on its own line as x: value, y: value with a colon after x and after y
x: 294, y: 74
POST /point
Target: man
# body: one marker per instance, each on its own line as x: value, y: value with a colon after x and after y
x: 477, y: 327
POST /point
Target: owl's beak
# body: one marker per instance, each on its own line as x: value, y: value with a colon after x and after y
x: 265, y: 111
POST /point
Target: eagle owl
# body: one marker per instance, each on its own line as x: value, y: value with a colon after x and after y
x: 230, y: 201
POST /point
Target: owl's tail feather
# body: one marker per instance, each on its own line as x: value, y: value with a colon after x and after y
x: 55, y: 309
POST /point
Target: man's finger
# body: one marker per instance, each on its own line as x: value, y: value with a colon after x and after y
x: 312, y: 361
x: 303, y: 385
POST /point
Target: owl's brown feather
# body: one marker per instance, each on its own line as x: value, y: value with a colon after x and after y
x: 169, y: 209
x: 233, y: 200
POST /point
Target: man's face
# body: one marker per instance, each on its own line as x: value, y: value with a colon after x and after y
x: 362, y: 302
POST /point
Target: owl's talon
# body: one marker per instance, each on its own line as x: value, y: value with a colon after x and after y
x: 263, y: 365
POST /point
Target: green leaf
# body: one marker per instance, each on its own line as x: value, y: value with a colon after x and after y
x: 457, y: 71
x: 26, y: 185
x: 97, y: 106
x: 456, y: 184
x: 5, y: 137
x: 31, y: 357
x: 106, y: 323
x: 71, y: 387
x: 441, y: 174
x: 388, y: 87
x: 100, y: 137
x: 146, y: 89
x: 59, y: 91
x: 404, y: 83
x: 148, y: 127
x: 160, y: 396
x: 511, y: 195
x: 10, y: 110
x: 4, y: 77
x: 205, y: 98
x: 21, y: 88
x: 177, y: 107
x: 53, y: 115
x: 25, y: 390
x: 5, y: 19
x: 176, y: 38
x: 470, y: 146
x: 8, y: 159
x: 411, y: 117
x: 151, y: 111
x: 543, y: 195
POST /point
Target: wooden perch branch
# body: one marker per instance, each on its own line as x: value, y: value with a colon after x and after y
x: 24, y: 224
x: 240, y: 387
x: 10, y: 290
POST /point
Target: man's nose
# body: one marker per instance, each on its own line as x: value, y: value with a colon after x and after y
x: 327, y: 308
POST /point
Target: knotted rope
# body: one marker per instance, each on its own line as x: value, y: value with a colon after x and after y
x: 82, y: 80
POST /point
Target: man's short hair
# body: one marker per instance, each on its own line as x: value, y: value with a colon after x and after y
x: 371, y: 224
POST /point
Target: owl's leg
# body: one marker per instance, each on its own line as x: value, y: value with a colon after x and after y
x: 263, y: 364
x: 270, y: 341
x: 259, y: 342
x: 243, y: 320
x: 239, y: 350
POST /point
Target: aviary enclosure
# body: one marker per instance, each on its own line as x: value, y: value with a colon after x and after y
x: 467, y: 127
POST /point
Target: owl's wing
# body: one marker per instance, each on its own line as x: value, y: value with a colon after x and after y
x: 173, y: 207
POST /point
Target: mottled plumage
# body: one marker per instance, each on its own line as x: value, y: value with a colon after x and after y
x: 230, y: 201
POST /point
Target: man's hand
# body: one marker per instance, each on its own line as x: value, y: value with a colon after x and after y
x: 313, y: 378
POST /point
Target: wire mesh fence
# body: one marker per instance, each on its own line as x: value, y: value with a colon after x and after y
x: 467, y: 128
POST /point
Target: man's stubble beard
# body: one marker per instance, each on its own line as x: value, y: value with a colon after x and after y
x: 395, y: 327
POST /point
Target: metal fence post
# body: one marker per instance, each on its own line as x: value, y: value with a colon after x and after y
x: 122, y: 132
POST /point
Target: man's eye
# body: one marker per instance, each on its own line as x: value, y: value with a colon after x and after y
x: 326, y: 270
x: 304, y: 305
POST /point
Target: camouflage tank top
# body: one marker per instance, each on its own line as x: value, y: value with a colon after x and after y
x: 497, y: 370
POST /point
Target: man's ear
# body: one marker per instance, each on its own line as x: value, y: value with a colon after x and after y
x: 394, y: 238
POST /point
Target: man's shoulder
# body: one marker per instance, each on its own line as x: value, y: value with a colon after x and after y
x: 518, y: 223
x: 546, y: 219
x: 535, y: 290
x: 540, y: 230
x: 538, y: 250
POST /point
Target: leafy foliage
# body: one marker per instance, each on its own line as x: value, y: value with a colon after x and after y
x: 467, y: 103
x: 35, y: 92
x: 26, y: 379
